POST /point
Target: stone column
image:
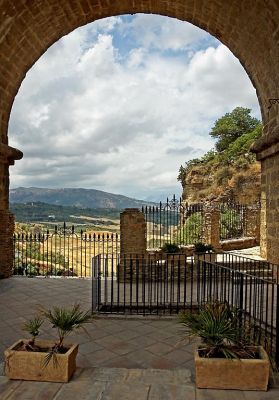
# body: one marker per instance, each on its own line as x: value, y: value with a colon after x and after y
x: 211, y: 228
x: 7, y: 157
x: 6, y: 243
x: 263, y: 245
x: 132, y: 244
x: 132, y: 232
x: 267, y: 150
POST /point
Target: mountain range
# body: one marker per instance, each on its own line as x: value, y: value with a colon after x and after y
x: 78, y: 197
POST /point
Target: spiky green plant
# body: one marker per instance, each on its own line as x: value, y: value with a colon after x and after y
x: 219, y: 327
x: 32, y: 326
x: 65, y: 321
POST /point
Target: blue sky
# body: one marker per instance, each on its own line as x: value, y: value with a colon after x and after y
x: 119, y: 104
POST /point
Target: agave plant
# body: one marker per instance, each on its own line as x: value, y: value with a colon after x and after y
x: 220, y: 330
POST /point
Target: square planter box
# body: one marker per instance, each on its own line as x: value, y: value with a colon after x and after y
x: 28, y: 365
x: 243, y: 374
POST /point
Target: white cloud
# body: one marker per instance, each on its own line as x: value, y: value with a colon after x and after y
x: 86, y: 116
x: 157, y: 32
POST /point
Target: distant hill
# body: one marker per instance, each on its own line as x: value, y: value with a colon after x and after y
x: 41, y: 212
x: 82, y: 198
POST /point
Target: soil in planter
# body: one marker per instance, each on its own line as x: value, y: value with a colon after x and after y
x: 34, y: 348
x: 244, y: 353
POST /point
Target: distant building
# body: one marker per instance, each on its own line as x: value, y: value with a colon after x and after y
x: 51, y: 217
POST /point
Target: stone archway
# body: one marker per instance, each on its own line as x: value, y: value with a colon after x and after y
x: 248, y: 28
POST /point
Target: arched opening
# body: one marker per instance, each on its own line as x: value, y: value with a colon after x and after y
x: 103, y: 98
x: 117, y: 103
x: 29, y: 29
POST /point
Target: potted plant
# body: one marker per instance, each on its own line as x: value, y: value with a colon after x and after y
x: 170, y: 248
x: 47, y: 360
x: 225, y: 358
x: 204, y: 252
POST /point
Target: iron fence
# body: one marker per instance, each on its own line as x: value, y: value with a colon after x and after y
x: 181, y: 223
x: 63, y: 252
x: 233, y: 221
x: 173, y: 221
x: 159, y: 285
x: 256, y: 299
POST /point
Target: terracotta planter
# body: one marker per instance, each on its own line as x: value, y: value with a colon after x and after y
x: 220, y: 373
x: 28, y: 365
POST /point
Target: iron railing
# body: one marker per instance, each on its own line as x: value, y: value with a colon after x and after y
x: 255, y: 297
x: 63, y: 252
x: 181, y: 223
x: 233, y: 221
x: 173, y: 221
x: 159, y: 285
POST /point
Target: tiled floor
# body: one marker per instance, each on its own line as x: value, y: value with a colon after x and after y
x: 126, y: 343
x: 119, y: 359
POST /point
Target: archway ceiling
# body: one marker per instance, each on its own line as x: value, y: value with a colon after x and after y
x: 249, y: 28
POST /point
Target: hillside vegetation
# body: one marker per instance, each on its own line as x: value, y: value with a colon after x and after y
x: 83, y: 198
x: 37, y: 211
x: 230, y: 170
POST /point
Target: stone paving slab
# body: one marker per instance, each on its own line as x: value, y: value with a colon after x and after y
x: 124, y: 384
x: 171, y: 392
x: 126, y: 391
x: 141, y: 358
x: 110, y: 342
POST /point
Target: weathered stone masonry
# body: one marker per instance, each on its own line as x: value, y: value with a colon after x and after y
x: 132, y: 233
x: 249, y: 28
x: 6, y: 243
x: 7, y: 157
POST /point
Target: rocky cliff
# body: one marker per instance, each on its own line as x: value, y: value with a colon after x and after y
x: 216, y: 182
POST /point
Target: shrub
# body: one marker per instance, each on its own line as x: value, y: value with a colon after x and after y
x: 201, y: 247
x: 170, y: 248
x: 218, y: 326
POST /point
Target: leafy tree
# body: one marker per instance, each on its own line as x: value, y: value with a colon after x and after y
x: 231, y: 126
x: 242, y: 145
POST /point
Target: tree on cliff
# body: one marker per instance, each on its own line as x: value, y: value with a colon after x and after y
x: 231, y: 126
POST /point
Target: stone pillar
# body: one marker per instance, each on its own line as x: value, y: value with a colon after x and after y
x: 132, y: 232
x: 7, y: 157
x: 211, y: 226
x: 267, y: 150
x: 6, y: 243
x: 270, y: 208
x: 253, y: 223
x: 269, y: 230
x: 263, y: 243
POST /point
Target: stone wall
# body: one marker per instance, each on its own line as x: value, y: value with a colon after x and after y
x: 238, y: 244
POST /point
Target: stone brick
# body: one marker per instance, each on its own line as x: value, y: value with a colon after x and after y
x: 6, y: 243
x: 132, y: 232
x: 211, y: 229
x: 28, y: 28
